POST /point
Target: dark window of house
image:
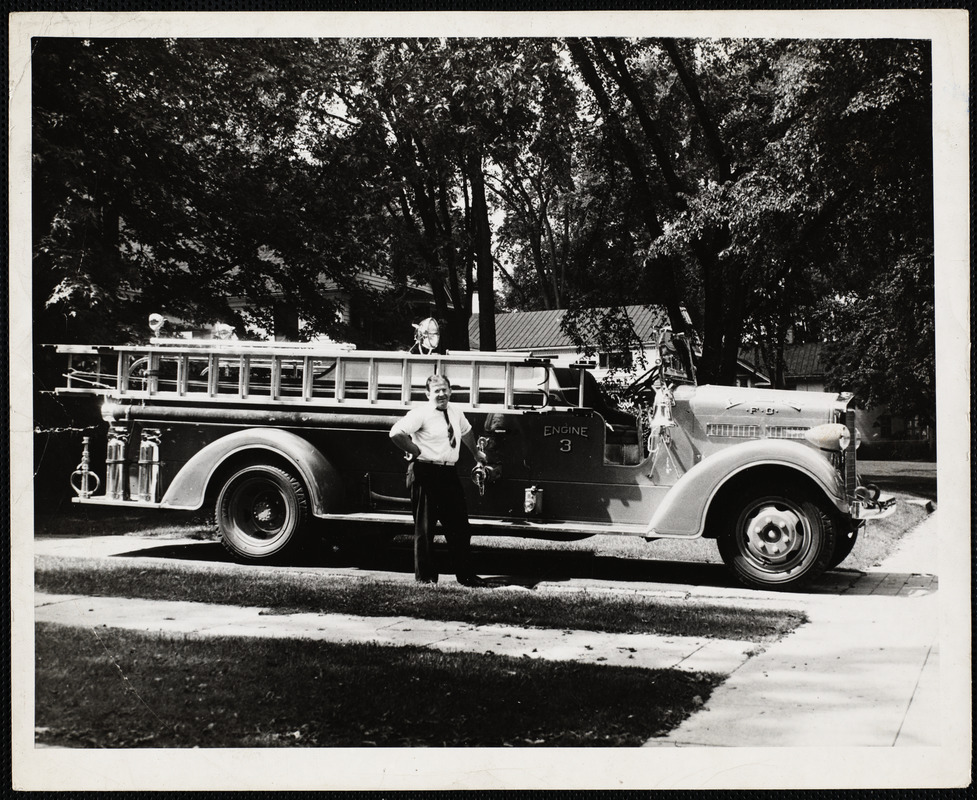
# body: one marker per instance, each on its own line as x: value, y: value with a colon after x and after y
x: 615, y: 360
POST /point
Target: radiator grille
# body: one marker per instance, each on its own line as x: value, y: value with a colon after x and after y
x: 730, y: 431
x: 786, y: 432
x: 850, y: 479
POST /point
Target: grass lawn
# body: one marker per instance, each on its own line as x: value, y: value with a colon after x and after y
x: 283, y: 590
x: 110, y: 688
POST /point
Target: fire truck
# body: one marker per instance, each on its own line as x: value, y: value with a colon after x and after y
x: 285, y: 439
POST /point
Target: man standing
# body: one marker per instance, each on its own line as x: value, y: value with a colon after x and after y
x: 431, y: 437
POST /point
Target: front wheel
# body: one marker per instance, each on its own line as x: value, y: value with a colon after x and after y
x: 777, y: 540
x: 260, y: 512
x: 844, y: 543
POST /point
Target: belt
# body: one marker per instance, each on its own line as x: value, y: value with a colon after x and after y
x: 436, y: 463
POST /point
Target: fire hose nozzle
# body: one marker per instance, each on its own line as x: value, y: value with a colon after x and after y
x: 484, y: 474
x: 82, y: 478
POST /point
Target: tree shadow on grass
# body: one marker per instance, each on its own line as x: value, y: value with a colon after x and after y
x: 502, y: 566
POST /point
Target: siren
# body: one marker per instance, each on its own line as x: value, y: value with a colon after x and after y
x: 156, y: 321
x: 427, y: 335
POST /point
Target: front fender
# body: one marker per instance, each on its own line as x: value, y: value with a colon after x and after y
x: 683, y: 511
x: 189, y: 487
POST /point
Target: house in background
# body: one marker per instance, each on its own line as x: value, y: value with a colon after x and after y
x: 804, y: 371
x: 884, y: 435
x: 540, y: 334
x: 367, y: 324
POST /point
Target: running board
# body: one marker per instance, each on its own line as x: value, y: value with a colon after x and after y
x: 513, y: 526
x: 102, y: 500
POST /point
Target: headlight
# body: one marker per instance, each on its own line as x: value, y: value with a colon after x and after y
x: 844, y: 438
x: 830, y: 436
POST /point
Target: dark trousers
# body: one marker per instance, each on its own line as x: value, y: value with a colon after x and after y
x: 436, y: 496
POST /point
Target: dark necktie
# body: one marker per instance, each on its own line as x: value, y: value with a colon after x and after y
x: 451, y: 431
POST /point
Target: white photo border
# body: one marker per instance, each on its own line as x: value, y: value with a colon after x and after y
x: 419, y: 769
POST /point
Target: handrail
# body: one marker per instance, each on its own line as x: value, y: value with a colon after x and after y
x: 234, y: 346
x: 245, y: 344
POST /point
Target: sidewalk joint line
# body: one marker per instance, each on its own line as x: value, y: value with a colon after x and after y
x: 905, y: 713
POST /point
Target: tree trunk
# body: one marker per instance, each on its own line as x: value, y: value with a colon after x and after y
x: 713, y: 139
x: 483, y: 254
x: 660, y: 273
x: 732, y: 330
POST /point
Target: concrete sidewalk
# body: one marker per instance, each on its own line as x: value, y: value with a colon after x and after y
x: 201, y: 619
x: 863, y: 675
x: 863, y: 672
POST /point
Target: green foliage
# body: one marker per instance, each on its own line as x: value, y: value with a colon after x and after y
x: 159, y: 181
x: 789, y: 171
x: 748, y: 181
x: 883, y: 340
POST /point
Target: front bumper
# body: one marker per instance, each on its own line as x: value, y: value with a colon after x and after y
x: 879, y: 508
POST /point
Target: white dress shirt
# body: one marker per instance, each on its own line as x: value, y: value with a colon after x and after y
x: 427, y: 427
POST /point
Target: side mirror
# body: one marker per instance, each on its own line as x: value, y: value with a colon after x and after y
x: 156, y: 321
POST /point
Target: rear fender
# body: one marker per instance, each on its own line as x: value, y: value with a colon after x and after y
x: 189, y: 488
x: 683, y: 511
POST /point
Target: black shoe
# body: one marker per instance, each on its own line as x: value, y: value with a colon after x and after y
x: 473, y: 581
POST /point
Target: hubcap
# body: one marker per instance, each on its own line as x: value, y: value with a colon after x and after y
x: 268, y: 513
x: 258, y: 510
x: 773, y: 533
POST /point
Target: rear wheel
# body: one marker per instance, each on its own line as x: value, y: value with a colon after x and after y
x: 777, y: 540
x: 260, y: 512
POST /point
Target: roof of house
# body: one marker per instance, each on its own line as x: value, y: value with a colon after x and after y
x: 536, y: 330
x: 377, y: 283
x: 802, y: 360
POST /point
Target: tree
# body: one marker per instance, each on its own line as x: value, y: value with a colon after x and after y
x: 883, y: 345
x: 662, y: 270
x: 444, y: 117
x: 860, y: 138
x: 762, y: 178
x: 156, y: 166
x: 742, y: 181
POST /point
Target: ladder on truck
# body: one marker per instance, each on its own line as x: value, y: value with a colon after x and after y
x: 231, y: 371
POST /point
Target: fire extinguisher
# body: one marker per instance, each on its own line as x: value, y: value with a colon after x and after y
x: 148, y: 477
x: 116, y: 478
